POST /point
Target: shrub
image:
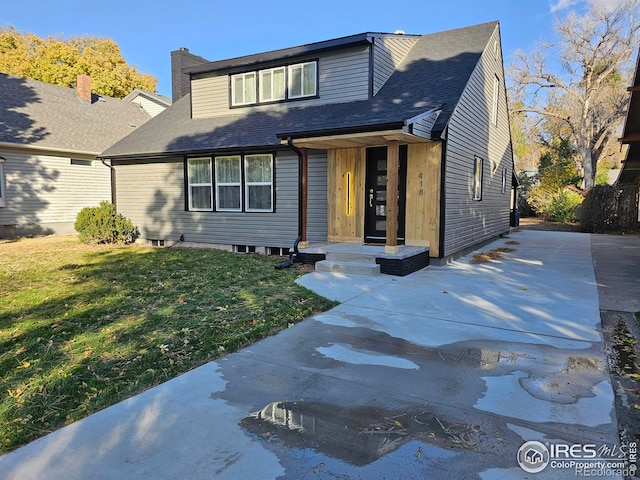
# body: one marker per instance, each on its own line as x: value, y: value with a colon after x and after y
x: 610, y: 209
x: 564, y: 206
x: 103, y: 224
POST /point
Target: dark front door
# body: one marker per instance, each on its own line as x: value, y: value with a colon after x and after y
x: 375, y: 222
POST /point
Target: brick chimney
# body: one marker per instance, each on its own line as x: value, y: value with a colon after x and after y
x: 83, y: 86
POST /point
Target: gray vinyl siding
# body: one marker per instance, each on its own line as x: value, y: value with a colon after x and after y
x: 317, y: 207
x: 44, y: 193
x: 343, y: 77
x: 152, y: 194
x: 388, y: 53
x: 470, y: 133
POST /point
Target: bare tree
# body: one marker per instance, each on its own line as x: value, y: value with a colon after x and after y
x: 586, y: 97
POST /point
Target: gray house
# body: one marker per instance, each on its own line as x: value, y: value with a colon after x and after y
x: 307, y: 145
x: 49, y: 139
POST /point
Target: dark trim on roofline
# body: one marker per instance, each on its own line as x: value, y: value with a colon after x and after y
x: 198, y: 152
x: 342, y: 131
x: 284, y: 53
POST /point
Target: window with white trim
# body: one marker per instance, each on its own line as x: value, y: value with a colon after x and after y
x: 504, y: 180
x: 281, y: 83
x: 494, y: 106
x: 272, y: 84
x: 477, y: 178
x: 243, y: 88
x: 302, y: 80
x: 199, y: 184
x: 2, y: 199
x: 228, y: 184
x: 258, y: 183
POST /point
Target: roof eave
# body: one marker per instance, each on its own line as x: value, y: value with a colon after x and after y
x: 309, y: 49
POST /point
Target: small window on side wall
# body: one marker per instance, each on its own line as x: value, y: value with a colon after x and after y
x: 477, y: 179
x: 2, y: 199
x: 504, y: 180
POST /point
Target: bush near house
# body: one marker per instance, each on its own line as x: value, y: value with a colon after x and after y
x: 564, y: 205
x: 103, y: 224
x: 610, y: 209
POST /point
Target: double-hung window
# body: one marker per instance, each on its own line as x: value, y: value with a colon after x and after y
x: 2, y: 194
x: 243, y: 88
x: 228, y: 184
x: 302, y: 80
x: 272, y: 84
x: 477, y: 179
x: 231, y: 183
x: 258, y: 183
x: 200, y: 187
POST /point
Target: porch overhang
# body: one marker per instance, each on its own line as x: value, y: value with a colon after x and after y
x: 356, y: 139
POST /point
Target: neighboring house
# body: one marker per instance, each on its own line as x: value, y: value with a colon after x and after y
x: 630, y: 173
x: 49, y: 139
x: 152, y: 103
x: 307, y: 144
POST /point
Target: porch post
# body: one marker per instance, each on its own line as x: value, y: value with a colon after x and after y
x: 393, y: 165
x: 303, y: 198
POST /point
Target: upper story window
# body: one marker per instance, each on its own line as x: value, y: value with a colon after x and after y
x: 243, y: 88
x: 272, y: 84
x: 494, y: 105
x: 275, y: 84
x: 302, y: 80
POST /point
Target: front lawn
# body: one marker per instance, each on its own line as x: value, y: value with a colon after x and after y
x: 83, y: 327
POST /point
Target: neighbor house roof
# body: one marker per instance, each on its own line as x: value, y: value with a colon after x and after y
x: 631, y: 134
x: 50, y: 117
x: 442, y: 62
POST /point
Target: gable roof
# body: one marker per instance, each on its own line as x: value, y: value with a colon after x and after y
x: 442, y: 61
x: 50, y: 117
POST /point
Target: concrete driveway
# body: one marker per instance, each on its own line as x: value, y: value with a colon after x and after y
x: 444, y: 373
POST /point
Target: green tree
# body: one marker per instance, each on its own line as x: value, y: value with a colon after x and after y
x: 585, y: 95
x: 59, y: 61
x: 557, y: 171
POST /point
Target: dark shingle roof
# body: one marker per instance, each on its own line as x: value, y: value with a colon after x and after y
x: 52, y: 117
x: 442, y: 63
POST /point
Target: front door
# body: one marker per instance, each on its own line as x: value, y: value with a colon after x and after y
x: 375, y: 223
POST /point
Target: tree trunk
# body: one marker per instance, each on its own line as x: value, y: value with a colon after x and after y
x: 587, y: 167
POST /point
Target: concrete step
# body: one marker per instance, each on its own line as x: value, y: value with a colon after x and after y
x: 349, y: 268
x: 351, y: 257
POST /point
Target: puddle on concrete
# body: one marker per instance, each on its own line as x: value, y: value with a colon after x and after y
x: 359, y: 435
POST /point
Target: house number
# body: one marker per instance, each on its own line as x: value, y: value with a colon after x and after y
x: 421, y: 190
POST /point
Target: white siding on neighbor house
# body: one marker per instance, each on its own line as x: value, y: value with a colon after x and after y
x: 152, y: 194
x: 44, y: 193
x: 388, y: 54
x: 343, y: 77
x: 149, y: 106
x: 471, y: 133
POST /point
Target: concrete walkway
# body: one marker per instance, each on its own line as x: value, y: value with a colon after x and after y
x: 444, y: 373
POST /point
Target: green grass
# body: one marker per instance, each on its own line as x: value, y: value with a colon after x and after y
x: 83, y: 327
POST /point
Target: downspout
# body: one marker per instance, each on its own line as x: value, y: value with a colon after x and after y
x: 294, y: 254
x: 113, y: 182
